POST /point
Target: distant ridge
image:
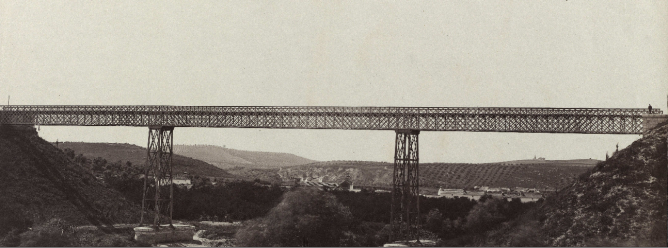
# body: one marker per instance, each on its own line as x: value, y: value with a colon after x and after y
x: 571, y: 162
x: 226, y: 158
x: 113, y: 152
x: 548, y: 174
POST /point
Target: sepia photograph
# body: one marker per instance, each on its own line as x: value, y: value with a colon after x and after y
x: 333, y: 123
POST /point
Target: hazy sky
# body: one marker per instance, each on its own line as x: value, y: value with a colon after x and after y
x: 345, y: 53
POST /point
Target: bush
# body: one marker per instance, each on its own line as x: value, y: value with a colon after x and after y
x: 98, y: 238
x: 55, y: 232
x: 11, y: 239
x: 485, y: 215
x: 528, y: 234
x: 305, y: 217
x: 434, y: 221
x: 115, y: 240
x: 12, y: 218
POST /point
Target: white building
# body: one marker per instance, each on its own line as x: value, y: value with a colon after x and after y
x: 451, y: 193
x: 178, y: 181
x: 351, y: 189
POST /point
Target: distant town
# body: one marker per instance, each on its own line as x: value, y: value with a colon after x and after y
x: 522, y: 193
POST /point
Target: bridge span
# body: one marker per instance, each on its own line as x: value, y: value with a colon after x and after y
x: 406, y: 121
x: 476, y: 119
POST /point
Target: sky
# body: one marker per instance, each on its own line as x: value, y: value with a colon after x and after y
x: 609, y: 54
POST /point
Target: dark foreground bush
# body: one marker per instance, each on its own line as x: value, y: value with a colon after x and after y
x: 305, y: 217
x: 12, y: 218
x: 11, y: 239
x: 55, y: 232
x: 100, y: 239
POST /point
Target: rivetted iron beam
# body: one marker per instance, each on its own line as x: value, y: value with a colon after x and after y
x: 478, y: 119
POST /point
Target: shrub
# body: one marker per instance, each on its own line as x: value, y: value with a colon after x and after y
x: 55, y: 232
x: 11, y: 239
x: 305, y: 217
x: 434, y: 221
x: 115, y: 240
x: 485, y: 215
x: 12, y: 218
x: 528, y: 234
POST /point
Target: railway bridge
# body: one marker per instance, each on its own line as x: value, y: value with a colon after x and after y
x: 407, y: 122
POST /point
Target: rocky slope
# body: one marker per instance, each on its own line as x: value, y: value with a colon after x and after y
x: 39, y: 182
x: 621, y: 202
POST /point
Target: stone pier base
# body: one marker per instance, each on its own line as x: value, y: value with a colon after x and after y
x: 165, y: 234
x: 651, y: 121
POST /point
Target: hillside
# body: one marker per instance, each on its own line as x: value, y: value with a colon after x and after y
x: 448, y: 175
x: 39, y: 182
x: 229, y: 158
x: 622, y: 200
x: 113, y: 152
x: 553, y: 175
x: 619, y: 202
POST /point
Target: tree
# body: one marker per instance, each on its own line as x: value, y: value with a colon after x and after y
x: 485, y: 215
x: 345, y: 185
x: 80, y: 159
x: 69, y: 152
x: 305, y: 217
x: 434, y: 220
x: 99, y: 164
x: 201, y: 182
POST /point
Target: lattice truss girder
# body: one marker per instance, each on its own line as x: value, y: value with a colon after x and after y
x: 158, y: 175
x: 405, y: 205
x: 532, y: 120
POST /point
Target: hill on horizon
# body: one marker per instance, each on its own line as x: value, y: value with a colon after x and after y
x: 113, y: 152
x: 282, y: 167
x: 226, y: 158
x: 569, y: 162
x: 551, y: 175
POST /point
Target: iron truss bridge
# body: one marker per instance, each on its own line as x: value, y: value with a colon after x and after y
x: 407, y: 122
x: 476, y: 119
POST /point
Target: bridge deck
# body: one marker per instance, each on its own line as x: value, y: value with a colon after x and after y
x: 478, y: 119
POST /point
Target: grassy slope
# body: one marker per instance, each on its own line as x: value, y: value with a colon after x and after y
x: 137, y: 156
x: 39, y: 182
